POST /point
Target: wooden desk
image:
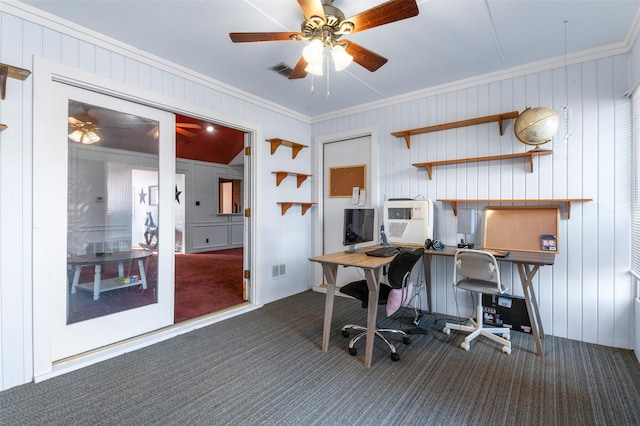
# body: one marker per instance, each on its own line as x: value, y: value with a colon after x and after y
x: 99, y: 285
x: 527, y: 263
x: 372, y: 267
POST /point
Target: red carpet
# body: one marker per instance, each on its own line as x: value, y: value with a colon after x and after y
x: 204, y: 283
x: 207, y: 282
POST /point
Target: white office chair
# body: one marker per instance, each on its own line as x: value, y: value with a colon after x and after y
x: 477, y: 271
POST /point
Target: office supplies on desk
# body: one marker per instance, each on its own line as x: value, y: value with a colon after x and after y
x: 385, y: 251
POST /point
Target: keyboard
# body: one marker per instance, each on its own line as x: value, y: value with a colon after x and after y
x: 383, y: 252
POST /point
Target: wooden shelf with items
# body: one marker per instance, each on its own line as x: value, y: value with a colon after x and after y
x: 567, y: 201
x: 295, y: 147
x: 300, y: 177
x: 530, y: 154
x: 499, y: 118
x: 286, y: 205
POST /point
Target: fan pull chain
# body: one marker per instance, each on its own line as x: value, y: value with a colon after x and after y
x: 328, y: 72
x: 312, y: 88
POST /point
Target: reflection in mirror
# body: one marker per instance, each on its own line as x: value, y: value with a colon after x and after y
x: 229, y: 196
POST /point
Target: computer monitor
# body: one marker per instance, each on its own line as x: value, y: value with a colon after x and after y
x: 358, y: 227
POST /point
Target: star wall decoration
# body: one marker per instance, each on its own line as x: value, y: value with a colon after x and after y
x: 143, y: 196
x: 178, y: 194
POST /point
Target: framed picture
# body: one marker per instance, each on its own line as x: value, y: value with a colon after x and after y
x: 153, y: 195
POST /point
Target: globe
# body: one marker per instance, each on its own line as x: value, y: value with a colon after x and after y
x: 536, y: 126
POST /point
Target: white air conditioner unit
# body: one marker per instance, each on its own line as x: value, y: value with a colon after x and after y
x: 408, y: 221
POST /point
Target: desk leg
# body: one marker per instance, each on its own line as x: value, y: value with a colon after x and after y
x: 373, y: 282
x: 76, y: 278
x: 426, y: 261
x: 330, y: 273
x: 527, y: 272
x: 143, y: 274
x: 96, y: 281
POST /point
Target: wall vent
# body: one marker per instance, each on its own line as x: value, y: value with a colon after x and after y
x: 282, y: 69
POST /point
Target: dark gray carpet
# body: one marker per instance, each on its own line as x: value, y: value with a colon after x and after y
x: 266, y: 367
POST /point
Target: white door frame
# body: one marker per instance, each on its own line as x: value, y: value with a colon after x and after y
x: 373, y: 193
x: 45, y: 73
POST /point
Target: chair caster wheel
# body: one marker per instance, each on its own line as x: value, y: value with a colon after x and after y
x: 506, y: 350
x: 446, y: 331
x: 345, y: 333
x: 406, y: 340
x: 506, y: 336
x: 395, y: 356
x: 465, y: 346
x: 353, y: 351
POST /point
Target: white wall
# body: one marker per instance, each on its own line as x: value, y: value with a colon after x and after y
x: 24, y: 36
x: 205, y: 229
x: 587, y: 294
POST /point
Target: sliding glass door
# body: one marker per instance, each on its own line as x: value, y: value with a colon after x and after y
x: 109, y: 188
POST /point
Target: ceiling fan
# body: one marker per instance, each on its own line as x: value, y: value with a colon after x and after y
x: 325, y: 24
x: 180, y: 129
x: 82, y: 129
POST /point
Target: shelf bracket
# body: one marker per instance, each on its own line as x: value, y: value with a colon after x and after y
x: 9, y: 71
x: 280, y: 177
x: 285, y: 206
x: 300, y: 179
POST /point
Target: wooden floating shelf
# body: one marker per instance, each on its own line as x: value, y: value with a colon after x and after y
x: 286, y: 205
x: 280, y: 175
x: 567, y: 201
x: 3, y: 127
x: 295, y: 147
x: 9, y: 71
x: 530, y: 154
x: 406, y: 134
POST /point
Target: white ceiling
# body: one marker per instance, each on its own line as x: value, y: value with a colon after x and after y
x: 450, y: 40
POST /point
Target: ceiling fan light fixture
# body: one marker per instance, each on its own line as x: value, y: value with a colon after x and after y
x: 90, y: 137
x: 313, y: 52
x: 76, y: 135
x: 86, y: 137
x: 315, y: 69
x: 341, y: 58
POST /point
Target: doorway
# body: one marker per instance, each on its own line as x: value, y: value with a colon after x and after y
x: 209, y: 268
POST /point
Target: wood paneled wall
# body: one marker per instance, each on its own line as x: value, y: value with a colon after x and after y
x: 587, y: 294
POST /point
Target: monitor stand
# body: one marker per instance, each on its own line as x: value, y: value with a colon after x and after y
x: 385, y: 242
x: 351, y: 249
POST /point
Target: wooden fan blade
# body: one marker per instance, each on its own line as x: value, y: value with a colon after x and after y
x: 189, y: 126
x: 251, y: 37
x: 312, y: 8
x: 74, y: 121
x: 385, y: 13
x: 365, y: 57
x: 298, y: 70
x: 185, y: 132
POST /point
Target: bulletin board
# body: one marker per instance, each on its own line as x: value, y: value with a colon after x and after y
x: 343, y: 179
x: 521, y: 228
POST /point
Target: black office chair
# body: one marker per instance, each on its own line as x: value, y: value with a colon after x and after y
x: 398, y: 276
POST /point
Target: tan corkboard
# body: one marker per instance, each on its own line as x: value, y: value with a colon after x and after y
x: 521, y: 228
x: 343, y: 179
